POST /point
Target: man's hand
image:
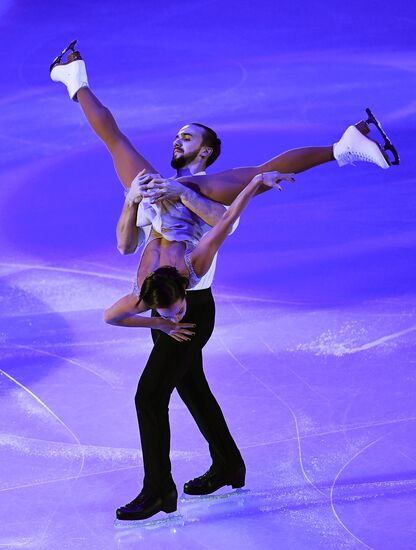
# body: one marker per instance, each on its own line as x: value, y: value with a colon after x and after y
x: 158, y: 188
x: 177, y: 331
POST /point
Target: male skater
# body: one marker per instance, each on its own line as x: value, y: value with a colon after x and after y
x: 195, y: 147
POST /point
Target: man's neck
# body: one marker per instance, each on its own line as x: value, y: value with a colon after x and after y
x: 191, y: 169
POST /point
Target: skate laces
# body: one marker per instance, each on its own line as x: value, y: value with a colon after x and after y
x: 351, y: 155
x: 140, y: 497
x: 205, y: 476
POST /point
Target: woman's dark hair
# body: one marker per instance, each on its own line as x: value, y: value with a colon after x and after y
x: 163, y: 287
x: 210, y: 139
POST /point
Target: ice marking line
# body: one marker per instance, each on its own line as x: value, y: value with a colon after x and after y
x: 15, y: 544
x: 66, y: 270
x: 57, y: 356
x: 294, y: 372
x: 231, y: 302
x: 64, y: 425
x: 343, y: 430
x: 287, y: 406
x: 78, y: 442
x: 331, y: 493
x: 381, y: 340
x: 92, y: 343
x: 223, y: 295
x: 57, y: 449
x: 27, y: 446
x: 68, y: 478
x: 407, y: 456
x: 323, y: 346
x: 244, y: 298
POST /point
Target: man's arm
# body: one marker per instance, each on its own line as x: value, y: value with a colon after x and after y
x: 209, y: 211
x: 127, y: 230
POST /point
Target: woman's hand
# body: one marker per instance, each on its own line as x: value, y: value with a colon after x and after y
x: 177, y: 331
x: 273, y: 179
x: 135, y: 193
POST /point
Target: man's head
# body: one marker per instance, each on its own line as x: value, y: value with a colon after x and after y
x: 195, y: 142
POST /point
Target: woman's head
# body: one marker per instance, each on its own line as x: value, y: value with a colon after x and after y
x: 164, y: 291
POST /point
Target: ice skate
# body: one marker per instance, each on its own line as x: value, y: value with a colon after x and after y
x: 388, y: 146
x: 356, y: 146
x: 145, y: 506
x: 211, y: 481
x: 72, y: 72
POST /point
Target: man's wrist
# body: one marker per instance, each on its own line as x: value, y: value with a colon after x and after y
x: 186, y: 194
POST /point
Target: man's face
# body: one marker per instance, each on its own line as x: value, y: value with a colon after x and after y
x: 187, y: 146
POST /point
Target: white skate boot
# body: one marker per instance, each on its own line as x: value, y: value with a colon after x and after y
x: 355, y: 146
x: 72, y: 73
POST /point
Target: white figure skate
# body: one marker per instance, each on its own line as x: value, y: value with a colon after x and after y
x: 72, y: 72
x: 354, y: 145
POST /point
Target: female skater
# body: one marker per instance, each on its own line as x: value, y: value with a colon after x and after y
x: 222, y: 187
x: 184, y: 263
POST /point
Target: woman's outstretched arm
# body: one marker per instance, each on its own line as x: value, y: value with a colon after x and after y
x: 202, y: 256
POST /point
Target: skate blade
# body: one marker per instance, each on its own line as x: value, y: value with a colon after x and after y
x: 58, y: 58
x: 172, y: 519
x: 203, y: 498
x: 388, y: 146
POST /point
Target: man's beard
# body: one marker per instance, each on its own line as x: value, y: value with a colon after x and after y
x: 184, y: 160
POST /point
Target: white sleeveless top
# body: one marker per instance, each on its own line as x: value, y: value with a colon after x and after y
x: 175, y: 222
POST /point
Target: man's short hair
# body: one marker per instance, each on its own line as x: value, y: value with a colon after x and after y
x: 210, y: 139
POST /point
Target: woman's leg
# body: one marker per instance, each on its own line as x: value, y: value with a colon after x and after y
x: 299, y: 160
x: 225, y: 186
x: 354, y: 145
x: 127, y: 161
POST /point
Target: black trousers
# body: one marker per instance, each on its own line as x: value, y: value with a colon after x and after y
x: 178, y: 365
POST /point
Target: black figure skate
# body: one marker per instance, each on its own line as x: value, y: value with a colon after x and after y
x: 71, y: 57
x: 388, y: 146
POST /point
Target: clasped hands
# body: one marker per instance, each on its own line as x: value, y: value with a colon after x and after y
x: 155, y: 187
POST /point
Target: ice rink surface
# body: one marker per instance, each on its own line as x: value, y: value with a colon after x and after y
x: 313, y: 355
